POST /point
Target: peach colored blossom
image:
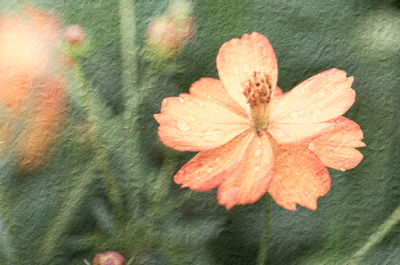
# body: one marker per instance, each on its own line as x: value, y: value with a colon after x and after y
x: 254, y: 139
x: 31, y: 84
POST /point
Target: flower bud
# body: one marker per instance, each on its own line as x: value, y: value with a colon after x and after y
x: 74, y: 35
x: 108, y: 258
x: 168, y: 34
x: 180, y: 10
x: 75, y: 42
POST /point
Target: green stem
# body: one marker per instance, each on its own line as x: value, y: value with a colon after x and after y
x: 129, y: 54
x: 135, y: 94
x: 376, y: 237
x: 65, y: 216
x: 262, y: 251
x: 109, y: 182
x: 163, y: 181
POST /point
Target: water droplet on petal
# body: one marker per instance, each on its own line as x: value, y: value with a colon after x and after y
x: 209, y: 170
x: 279, y: 134
x: 217, y: 159
x: 342, y: 169
x: 311, y: 146
x: 293, y: 115
x: 257, y: 153
x: 183, y: 125
x: 257, y: 168
x: 214, y: 135
x: 191, y: 118
x: 181, y: 100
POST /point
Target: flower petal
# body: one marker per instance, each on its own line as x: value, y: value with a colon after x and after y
x: 238, y: 59
x: 285, y: 133
x: 213, y: 90
x: 45, y: 125
x: 27, y: 44
x: 191, y: 124
x: 336, y: 148
x: 277, y: 92
x: 300, y: 177
x: 250, y: 178
x: 320, y: 98
x: 208, y: 169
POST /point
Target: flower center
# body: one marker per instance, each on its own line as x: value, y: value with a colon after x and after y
x: 257, y: 91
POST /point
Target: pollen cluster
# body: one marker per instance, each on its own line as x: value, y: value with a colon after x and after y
x: 257, y: 89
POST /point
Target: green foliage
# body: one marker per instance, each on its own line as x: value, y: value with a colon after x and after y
x: 68, y: 212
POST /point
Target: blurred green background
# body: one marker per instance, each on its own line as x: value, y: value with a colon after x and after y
x: 361, y: 37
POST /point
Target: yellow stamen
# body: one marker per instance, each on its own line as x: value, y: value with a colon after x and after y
x: 257, y: 91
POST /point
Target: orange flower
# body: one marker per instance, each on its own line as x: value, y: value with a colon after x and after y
x: 253, y: 139
x: 31, y: 84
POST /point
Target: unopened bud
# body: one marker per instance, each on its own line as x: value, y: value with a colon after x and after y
x: 180, y: 9
x: 109, y: 258
x: 74, y: 34
x: 75, y: 42
x: 168, y: 34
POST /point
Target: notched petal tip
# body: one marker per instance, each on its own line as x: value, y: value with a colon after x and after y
x: 158, y: 117
x: 164, y: 103
x: 301, y: 178
x: 228, y: 199
x: 336, y: 148
x: 312, y: 205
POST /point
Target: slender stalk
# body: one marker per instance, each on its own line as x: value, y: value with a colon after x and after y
x: 65, y: 216
x: 376, y: 237
x: 129, y: 54
x: 6, y: 244
x: 109, y: 182
x: 134, y: 94
x: 129, y: 262
x: 163, y: 181
x: 262, y: 251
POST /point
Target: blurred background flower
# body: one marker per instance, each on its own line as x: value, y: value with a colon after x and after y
x: 169, y: 33
x: 32, y: 92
